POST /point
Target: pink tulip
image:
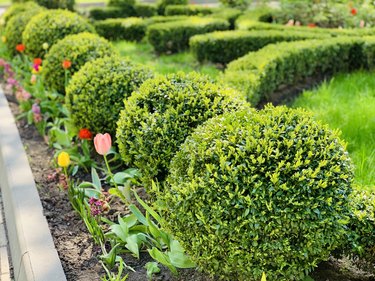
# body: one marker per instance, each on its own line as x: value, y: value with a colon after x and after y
x: 102, y: 143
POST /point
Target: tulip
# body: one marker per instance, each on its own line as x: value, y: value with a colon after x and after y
x: 35, y: 108
x: 37, y: 61
x: 20, y: 48
x: 353, y: 11
x: 3, y: 39
x: 63, y: 159
x: 102, y: 143
x: 66, y: 64
x: 33, y: 79
x: 85, y: 134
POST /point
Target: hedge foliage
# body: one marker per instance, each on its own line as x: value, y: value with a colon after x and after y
x: 228, y: 14
x: 96, y: 92
x: 15, y: 27
x: 225, y: 46
x: 57, y: 4
x: 162, y: 113
x: 260, y: 73
x: 17, y: 9
x: 130, y: 29
x: 121, y: 3
x: 107, y: 13
x: 252, y: 192
x: 171, y: 37
x: 162, y: 4
x: 50, y: 26
x: 77, y: 48
x: 189, y: 10
x: 144, y: 10
x: 163, y: 19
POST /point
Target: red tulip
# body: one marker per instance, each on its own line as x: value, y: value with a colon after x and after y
x: 353, y: 11
x: 85, y: 134
x: 20, y: 48
x: 102, y: 143
x: 66, y: 64
x: 37, y: 61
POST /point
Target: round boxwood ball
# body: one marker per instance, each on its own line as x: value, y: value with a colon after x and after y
x: 15, y: 27
x: 16, y: 9
x: 162, y: 113
x: 95, y: 94
x: 78, y: 49
x: 49, y: 27
x: 259, y: 192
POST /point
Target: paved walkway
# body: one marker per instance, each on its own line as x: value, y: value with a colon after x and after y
x: 4, y: 250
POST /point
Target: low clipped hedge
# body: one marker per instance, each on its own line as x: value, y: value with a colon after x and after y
x: 130, y: 29
x: 189, y: 10
x: 228, y: 14
x: 96, y: 92
x: 50, y: 26
x: 252, y: 192
x: 162, y: 4
x: 162, y: 19
x: 145, y: 10
x: 17, y: 9
x: 225, y: 46
x: 260, y: 73
x: 121, y: 3
x: 57, y: 4
x: 174, y: 36
x: 15, y: 27
x: 77, y: 48
x: 107, y: 13
x: 159, y: 116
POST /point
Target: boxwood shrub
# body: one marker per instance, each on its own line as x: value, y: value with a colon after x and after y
x: 161, y: 19
x: 15, y: 27
x: 252, y: 192
x: 16, y: 9
x: 159, y: 116
x: 107, y: 13
x: 258, y: 74
x: 130, y: 29
x: 171, y: 37
x: 57, y: 4
x: 96, y: 92
x: 77, y: 48
x: 145, y: 10
x: 225, y: 46
x: 189, y: 10
x: 162, y: 4
x: 228, y: 14
x: 50, y: 26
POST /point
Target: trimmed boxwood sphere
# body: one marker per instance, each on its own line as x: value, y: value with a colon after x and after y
x: 17, y: 9
x: 77, y: 48
x: 96, y: 92
x: 162, y: 113
x: 50, y: 26
x: 16, y: 26
x: 252, y: 192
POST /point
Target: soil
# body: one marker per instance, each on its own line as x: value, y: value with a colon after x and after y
x: 75, y: 246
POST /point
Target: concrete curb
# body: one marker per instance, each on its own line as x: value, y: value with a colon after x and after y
x: 33, y: 253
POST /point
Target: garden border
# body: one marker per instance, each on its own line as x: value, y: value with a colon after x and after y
x: 32, y: 250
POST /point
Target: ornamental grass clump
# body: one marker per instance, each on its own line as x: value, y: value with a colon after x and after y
x: 51, y: 26
x: 252, y: 192
x: 96, y: 92
x: 159, y: 116
x: 78, y: 49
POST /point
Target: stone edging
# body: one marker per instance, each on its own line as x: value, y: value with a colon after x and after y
x: 33, y: 252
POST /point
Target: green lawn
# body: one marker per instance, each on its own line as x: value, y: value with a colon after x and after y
x: 144, y: 54
x: 347, y: 102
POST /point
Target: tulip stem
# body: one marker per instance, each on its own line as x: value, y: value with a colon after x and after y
x: 109, y: 170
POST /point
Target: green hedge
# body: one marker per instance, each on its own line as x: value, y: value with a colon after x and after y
x: 51, y: 26
x: 228, y: 14
x: 225, y: 46
x: 162, y: 113
x: 144, y: 10
x: 107, y: 13
x: 252, y: 192
x: 130, y: 29
x: 189, y: 10
x: 163, y: 19
x: 173, y: 37
x: 57, y: 4
x: 77, y: 48
x: 260, y: 73
x: 16, y: 9
x: 162, y: 4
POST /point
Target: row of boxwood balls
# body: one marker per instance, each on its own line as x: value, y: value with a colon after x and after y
x: 244, y: 191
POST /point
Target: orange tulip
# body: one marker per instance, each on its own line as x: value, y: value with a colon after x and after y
x: 20, y: 48
x: 66, y: 64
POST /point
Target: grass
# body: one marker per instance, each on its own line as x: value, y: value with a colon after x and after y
x: 347, y: 102
x: 143, y: 53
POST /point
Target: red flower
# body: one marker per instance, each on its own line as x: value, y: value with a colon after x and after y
x: 66, y: 64
x: 311, y: 25
x: 353, y: 11
x: 37, y: 61
x: 85, y: 134
x: 20, y: 48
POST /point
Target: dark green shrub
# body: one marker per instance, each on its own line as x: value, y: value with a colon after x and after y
x: 57, y: 4
x: 130, y: 29
x: 144, y: 10
x: 161, y: 19
x: 96, y: 92
x: 225, y: 46
x: 50, y: 26
x: 174, y: 36
x: 121, y: 3
x: 189, y: 10
x: 162, y: 113
x: 252, y: 192
x: 259, y: 74
x: 77, y: 48
x: 15, y: 27
x: 242, y: 4
x: 107, y: 13
x: 228, y: 14
x: 162, y: 4
x: 17, y: 9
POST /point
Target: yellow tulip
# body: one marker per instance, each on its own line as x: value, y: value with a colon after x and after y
x: 264, y: 277
x: 63, y: 159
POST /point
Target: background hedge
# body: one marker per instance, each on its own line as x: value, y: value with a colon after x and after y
x: 189, y: 10
x: 130, y: 29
